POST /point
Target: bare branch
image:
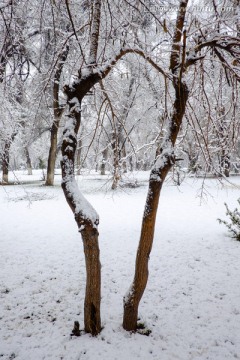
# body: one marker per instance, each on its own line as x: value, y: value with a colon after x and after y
x: 139, y: 52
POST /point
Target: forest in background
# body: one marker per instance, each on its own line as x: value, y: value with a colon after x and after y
x: 118, y: 86
x: 44, y: 45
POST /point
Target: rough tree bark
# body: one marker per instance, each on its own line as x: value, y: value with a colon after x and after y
x: 158, y: 174
x: 87, y: 221
x: 86, y: 217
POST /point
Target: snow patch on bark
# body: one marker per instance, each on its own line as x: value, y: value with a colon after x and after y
x: 128, y: 294
x: 82, y: 206
x: 167, y: 154
x: 69, y: 133
x: 75, y: 104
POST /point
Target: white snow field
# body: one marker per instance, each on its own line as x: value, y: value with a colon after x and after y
x: 191, y: 303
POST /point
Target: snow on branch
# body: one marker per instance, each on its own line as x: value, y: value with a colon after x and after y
x: 220, y: 44
x: 124, y: 51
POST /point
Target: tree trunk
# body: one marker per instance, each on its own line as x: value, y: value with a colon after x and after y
x: 28, y: 159
x: 86, y: 218
x: 163, y: 164
x: 52, y: 153
x: 225, y: 164
x: 131, y: 163
x: 116, y: 165
x: 157, y: 177
x: 132, y: 299
x: 124, y: 161
x: 5, y: 162
x: 78, y: 156
x: 92, y: 319
x: 103, y: 163
x: 87, y: 221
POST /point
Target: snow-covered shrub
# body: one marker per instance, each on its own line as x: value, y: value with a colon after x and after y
x: 234, y: 224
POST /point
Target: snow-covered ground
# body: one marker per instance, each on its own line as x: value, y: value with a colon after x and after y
x: 192, y: 301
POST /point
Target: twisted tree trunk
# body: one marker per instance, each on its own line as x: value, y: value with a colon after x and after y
x: 86, y: 218
x: 163, y: 164
x: 157, y: 176
x: 85, y: 215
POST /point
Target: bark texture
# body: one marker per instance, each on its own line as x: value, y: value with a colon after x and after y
x: 86, y: 219
x: 131, y: 301
x: 163, y: 164
x: 85, y: 216
x: 92, y: 318
x: 52, y: 153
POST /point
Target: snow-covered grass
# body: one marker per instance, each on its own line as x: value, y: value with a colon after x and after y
x: 191, y: 303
